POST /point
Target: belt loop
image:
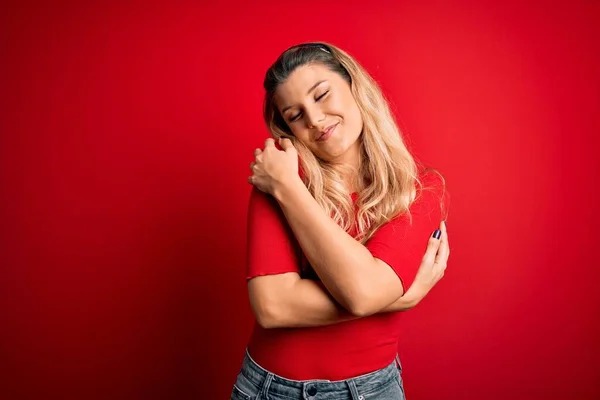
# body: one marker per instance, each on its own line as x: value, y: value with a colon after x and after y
x: 264, y: 392
x: 353, y: 390
x: 398, y: 363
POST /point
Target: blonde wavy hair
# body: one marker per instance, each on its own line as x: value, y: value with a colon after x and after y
x: 388, y: 175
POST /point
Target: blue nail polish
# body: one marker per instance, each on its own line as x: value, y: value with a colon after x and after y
x: 437, y: 234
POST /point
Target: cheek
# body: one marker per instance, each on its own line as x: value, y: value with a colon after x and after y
x: 349, y: 109
x: 353, y: 116
x: 301, y: 135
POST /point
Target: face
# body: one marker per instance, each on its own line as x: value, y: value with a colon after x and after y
x: 318, y: 106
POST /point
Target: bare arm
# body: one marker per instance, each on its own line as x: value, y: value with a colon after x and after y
x: 361, y: 283
x: 278, y: 296
x: 358, y: 281
x: 287, y: 301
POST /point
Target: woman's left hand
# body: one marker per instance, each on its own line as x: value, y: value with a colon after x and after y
x: 272, y: 167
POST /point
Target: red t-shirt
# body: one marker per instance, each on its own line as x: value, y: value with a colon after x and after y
x: 346, y: 349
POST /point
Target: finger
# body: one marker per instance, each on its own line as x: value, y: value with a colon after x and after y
x: 446, y: 243
x: 444, y: 237
x: 286, y: 144
x: 257, y: 152
x: 251, y: 179
x: 270, y: 142
x: 252, y: 165
x: 441, y: 258
x: 432, y: 246
x: 443, y: 252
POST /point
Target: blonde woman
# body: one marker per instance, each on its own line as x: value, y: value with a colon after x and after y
x: 340, y: 235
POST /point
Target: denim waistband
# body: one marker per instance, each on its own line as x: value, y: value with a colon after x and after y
x: 266, y: 380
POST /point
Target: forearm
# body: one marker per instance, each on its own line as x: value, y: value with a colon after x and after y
x: 311, y: 306
x: 409, y: 300
x: 307, y: 305
x: 345, y: 266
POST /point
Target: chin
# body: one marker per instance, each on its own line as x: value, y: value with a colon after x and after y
x: 333, y: 150
x: 331, y: 156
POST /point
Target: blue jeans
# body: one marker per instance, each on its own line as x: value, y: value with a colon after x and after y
x: 256, y: 383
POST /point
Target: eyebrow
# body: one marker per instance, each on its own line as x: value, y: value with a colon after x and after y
x: 313, y: 87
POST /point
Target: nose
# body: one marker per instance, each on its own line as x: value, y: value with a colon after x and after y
x: 314, y: 117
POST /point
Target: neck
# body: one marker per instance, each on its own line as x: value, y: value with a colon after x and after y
x: 350, y: 175
x: 349, y: 164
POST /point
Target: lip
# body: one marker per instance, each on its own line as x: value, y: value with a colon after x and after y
x: 327, y: 132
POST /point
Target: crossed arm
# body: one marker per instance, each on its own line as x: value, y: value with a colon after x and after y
x: 356, y: 280
x: 285, y: 300
x: 288, y: 301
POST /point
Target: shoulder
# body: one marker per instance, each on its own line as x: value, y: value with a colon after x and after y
x: 431, y: 192
x: 264, y: 207
x: 431, y: 181
x: 261, y: 199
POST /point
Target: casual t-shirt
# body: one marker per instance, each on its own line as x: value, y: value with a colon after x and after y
x: 346, y: 349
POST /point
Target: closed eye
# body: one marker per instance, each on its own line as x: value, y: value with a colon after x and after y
x: 295, y: 117
x: 321, y: 96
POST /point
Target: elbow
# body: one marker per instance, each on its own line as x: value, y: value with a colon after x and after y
x: 366, y: 302
x: 361, y: 309
x: 367, y: 297
x: 362, y: 304
x: 266, y: 316
x: 265, y: 323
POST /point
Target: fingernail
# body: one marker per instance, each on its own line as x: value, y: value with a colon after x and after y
x: 437, y: 234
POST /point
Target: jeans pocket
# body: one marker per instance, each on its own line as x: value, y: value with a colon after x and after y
x: 392, y: 389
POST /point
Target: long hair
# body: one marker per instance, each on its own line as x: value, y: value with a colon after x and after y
x: 388, y: 175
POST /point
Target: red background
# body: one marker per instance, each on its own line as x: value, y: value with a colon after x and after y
x: 126, y: 135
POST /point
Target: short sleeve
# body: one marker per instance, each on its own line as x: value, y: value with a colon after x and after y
x: 401, y: 243
x: 270, y: 241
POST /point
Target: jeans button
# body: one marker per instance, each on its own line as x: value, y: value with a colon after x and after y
x: 312, y: 391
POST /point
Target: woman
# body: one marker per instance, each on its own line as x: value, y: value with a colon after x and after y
x: 337, y: 224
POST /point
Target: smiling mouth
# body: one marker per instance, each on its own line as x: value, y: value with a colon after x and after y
x: 324, y: 134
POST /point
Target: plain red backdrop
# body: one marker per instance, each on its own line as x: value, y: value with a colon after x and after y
x: 126, y: 135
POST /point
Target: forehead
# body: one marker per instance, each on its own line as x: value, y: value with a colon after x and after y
x: 301, y: 80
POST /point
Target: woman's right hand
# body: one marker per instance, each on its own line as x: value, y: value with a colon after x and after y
x: 433, y: 265
x: 430, y: 272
